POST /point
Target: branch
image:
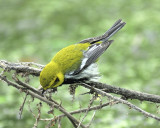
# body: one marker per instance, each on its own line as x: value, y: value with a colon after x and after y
x: 30, y: 68
x: 21, y: 67
x: 89, y: 106
x: 40, y: 97
x: 128, y: 94
x: 97, y: 107
x: 122, y: 101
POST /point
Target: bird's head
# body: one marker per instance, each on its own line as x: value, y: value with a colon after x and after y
x: 51, y: 76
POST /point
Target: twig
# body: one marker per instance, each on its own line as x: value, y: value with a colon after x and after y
x: 103, y: 89
x: 10, y: 82
x: 38, y: 116
x: 123, y: 102
x: 90, y: 104
x: 43, y: 99
x: 91, y: 119
x: 59, y: 123
x: 31, y: 63
x: 22, y: 106
x: 56, y: 106
x: 51, y: 123
x: 18, y: 67
x: 27, y: 86
x: 97, y: 107
x: 129, y: 94
x: 29, y: 107
x: 37, y: 92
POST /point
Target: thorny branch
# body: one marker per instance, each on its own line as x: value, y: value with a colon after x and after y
x: 123, y: 102
x: 129, y: 94
x: 39, y: 115
x: 30, y: 68
x: 91, y: 119
x: 89, y: 106
x: 22, y: 106
x: 40, y: 97
x: 97, y: 107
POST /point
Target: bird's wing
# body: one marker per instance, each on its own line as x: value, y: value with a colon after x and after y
x: 96, y: 49
x: 109, y: 33
x: 92, y: 54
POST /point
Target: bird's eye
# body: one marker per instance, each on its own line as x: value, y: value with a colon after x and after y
x: 57, y: 80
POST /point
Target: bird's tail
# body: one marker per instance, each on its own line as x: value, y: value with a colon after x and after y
x: 108, y: 34
x: 113, y: 30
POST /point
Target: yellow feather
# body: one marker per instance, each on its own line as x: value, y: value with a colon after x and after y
x: 66, y: 60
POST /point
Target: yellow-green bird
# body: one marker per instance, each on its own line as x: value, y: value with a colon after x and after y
x: 77, y: 61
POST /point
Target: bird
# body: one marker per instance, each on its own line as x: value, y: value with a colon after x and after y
x: 78, y: 61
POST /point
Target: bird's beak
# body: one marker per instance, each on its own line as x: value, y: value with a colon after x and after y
x: 43, y: 91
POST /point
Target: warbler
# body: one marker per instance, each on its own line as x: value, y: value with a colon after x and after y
x: 78, y: 61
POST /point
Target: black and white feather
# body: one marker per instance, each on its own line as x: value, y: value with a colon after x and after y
x: 108, y: 34
x: 92, y: 54
x: 88, y: 67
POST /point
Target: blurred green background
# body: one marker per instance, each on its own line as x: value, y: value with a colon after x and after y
x: 34, y: 30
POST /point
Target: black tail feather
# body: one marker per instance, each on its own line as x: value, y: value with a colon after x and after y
x: 108, y: 34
